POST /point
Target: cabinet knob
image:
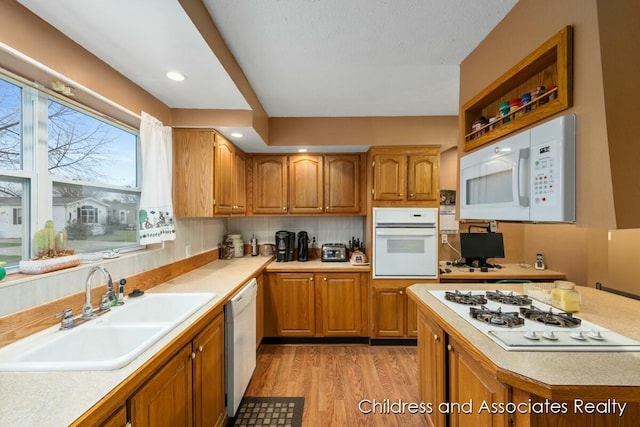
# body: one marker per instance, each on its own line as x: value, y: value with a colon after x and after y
x: 320, y: 207
x: 400, y: 194
x: 192, y: 355
x: 436, y: 337
x: 324, y: 278
x: 200, y: 348
x: 410, y: 194
x: 449, y: 347
x: 284, y: 208
x: 401, y: 292
x: 311, y: 279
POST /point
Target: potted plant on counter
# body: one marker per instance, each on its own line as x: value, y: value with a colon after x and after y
x: 51, y: 252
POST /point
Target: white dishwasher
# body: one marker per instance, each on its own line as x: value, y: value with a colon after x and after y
x: 240, y: 344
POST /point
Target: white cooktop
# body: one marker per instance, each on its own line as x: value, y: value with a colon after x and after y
x: 536, y: 336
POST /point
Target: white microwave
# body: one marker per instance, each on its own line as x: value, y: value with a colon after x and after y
x: 529, y: 176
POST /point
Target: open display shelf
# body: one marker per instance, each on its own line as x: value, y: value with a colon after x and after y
x: 550, y: 66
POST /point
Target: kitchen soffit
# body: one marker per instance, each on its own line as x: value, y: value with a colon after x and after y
x: 302, y: 58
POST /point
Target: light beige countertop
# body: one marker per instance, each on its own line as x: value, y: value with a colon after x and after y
x: 315, y: 265
x: 508, y: 271
x: 59, y: 398
x: 601, y: 373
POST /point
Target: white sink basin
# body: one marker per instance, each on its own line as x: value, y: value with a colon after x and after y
x: 109, y: 342
x: 159, y: 308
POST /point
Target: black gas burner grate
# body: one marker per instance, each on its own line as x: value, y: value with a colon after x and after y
x: 465, y: 298
x: 560, y: 319
x: 510, y: 298
x: 496, y: 317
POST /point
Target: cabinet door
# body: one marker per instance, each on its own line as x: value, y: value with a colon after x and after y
x: 239, y: 183
x: 259, y: 310
x: 293, y: 299
x: 389, y: 177
x: 305, y: 184
x: 469, y: 380
x: 166, y: 400
x: 423, y: 177
x: 208, y: 375
x: 193, y: 154
x: 412, y: 317
x: 431, y: 367
x: 269, y: 184
x: 342, y: 184
x: 341, y: 304
x: 389, y: 312
x: 224, y: 158
x: 117, y: 419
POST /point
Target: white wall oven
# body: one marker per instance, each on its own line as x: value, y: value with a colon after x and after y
x: 405, y: 243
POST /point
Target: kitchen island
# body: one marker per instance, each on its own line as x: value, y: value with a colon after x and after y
x: 468, y: 379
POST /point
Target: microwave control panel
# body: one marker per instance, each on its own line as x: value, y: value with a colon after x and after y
x: 543, y: 173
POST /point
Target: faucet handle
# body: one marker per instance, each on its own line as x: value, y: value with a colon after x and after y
x: 104, y: 303
x: 121, y: 284
x: 67, y: 318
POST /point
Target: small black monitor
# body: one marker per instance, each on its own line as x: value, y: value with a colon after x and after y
x: 476, y: 248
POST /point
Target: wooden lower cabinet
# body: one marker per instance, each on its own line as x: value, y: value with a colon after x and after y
x: 291, y: 303
x: 315, y: 304
x: 189, y: 389
x: 166, y: 400
x: 117, y: 419
x: 341, y: 302
x: 431, y: 365
x: 394, y: 313
x: 473, y: 385
x: 259, y: 310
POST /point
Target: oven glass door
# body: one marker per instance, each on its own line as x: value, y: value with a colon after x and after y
x: 405, y: 252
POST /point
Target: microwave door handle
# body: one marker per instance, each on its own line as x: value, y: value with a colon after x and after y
x: 523, y: 158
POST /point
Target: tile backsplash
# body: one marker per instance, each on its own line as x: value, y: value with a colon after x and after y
x: 327, y: 229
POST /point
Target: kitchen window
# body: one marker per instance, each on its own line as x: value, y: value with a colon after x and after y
x: 62, y: 161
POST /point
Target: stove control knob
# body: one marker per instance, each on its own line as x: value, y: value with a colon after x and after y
x: 596, y: 335
x: 550, y: 335
x: 577, y: 335
x: 531, y: 335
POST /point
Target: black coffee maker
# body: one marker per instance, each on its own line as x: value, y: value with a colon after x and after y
x: 283, y: 246
x: 303, y: 246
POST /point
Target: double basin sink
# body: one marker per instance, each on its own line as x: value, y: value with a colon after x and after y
x: 108, y: 342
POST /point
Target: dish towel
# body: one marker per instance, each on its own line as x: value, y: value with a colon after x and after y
x: 155, y: 216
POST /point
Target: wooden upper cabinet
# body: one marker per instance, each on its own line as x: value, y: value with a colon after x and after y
x: 305, y: 184
x: 208, y: 174
x: 406, y: 175
x: 423, y: 177
x: 224, y: 176
x: 193, y: 176
x: 390, y: 172
x: 342, y: 183
x: 269, y: 184
x: 239, y: 187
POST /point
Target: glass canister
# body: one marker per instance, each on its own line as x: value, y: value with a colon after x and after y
x: 238, y: 244
x: 565, y: 297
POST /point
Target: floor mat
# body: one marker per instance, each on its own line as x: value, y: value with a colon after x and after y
x: 269, y: 411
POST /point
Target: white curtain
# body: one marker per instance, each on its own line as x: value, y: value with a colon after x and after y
x: 156, y: 208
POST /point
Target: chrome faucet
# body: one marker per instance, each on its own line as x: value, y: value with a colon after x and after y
x: 87, y: 309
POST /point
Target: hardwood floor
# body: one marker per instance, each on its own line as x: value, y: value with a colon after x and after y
x: 333, y: 379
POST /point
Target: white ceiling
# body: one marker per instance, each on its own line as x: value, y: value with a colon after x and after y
x: 303, y: 58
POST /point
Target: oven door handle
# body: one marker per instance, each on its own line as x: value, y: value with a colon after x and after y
x: 413, y: 232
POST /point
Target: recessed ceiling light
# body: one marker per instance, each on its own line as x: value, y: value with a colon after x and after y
x: 302, y: 150
x: 236, y: 135
x: 176, y: 76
